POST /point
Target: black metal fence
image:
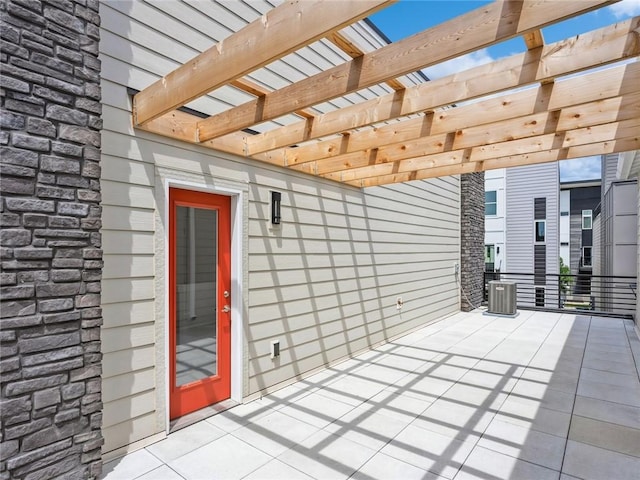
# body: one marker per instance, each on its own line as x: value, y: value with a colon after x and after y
x: 601, y: 295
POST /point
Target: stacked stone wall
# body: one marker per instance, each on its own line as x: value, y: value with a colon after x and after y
x: 472, y: 240
x: 50, y: 245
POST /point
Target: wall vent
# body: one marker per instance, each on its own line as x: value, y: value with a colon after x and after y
x: 502, y: 298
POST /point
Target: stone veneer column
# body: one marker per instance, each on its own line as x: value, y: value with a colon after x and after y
x: 50, y: 246
x: 471, y: 239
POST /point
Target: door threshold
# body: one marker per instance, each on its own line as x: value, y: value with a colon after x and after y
x: 202, y: 414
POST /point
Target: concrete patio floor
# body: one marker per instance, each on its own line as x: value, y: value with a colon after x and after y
x: 540, y: 396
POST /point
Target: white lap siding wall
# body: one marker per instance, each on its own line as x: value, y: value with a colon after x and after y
x: 324, y: 283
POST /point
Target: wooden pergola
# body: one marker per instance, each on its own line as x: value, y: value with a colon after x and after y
x: 475, y: 120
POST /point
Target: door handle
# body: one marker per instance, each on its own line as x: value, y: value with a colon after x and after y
x: 226, y: 309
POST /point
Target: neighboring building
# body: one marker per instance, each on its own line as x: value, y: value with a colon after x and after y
x: 532, y: 230
x: 578, y: 200
x: 628, y: 168
x: 532, y: 221
x: 522, y: 228
x: 494, y: 222
x: 616, y: 236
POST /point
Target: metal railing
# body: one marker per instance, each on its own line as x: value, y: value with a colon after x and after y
x: 601, y: 295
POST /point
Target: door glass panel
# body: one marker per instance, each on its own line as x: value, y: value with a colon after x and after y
x: 196, y: 315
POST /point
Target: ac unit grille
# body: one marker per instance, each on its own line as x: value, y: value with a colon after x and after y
x: 502, y: 298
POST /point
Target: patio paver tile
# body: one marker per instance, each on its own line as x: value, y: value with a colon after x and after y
x: 240, y: 415
x: 617, y: 350
x: 353, y: 390
x: 318, y: 409
x: 489, y: 380
x: 277, y: 470
x: 614, y: 437
x: 389, y: 468
x: 484, y: 464
x: 454, y: 420
x: 131, y: 466
x: 383, y: 374
x: 604, y: 361
x: 627, y: 395
x: 404, y: 407
x: 327, y: 456
x: 607, y: 411
x: 365, y: 426
x: 185, y: 440
x: 593, y: 463
x: 226, y: 457
x: 486, y: 397
x: 540, y: 419
x: 433, y: 452
x: 161, y: 473
x: 564, y: 380
x: 609, y: 378
x: 275, y: 433
x: 524, y: 444
x: 540, y: 393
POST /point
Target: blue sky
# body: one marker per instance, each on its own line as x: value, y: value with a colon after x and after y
x: 407, y: 17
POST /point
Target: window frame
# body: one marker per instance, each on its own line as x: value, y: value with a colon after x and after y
x: 492, y: 248
x: 493, y: 203
x: 590, y: 264
x: 535, y: 231
x: 587, y: 214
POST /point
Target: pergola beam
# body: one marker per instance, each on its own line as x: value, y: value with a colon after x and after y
x: 280, y: 31
x: 495, y: 22
x: 573, y: 55
x: 514, y: 115
x: 526, y: 145
x: 616, y: 145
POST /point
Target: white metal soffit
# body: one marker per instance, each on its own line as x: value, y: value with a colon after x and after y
x: 474, y: 120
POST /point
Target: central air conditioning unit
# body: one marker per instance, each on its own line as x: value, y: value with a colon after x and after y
x: 502, y: 298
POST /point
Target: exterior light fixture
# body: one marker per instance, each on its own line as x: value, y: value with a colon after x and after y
x: 276, y: 198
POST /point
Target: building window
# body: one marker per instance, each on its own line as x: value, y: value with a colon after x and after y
x: 539, y: 296
x: 587, y: 219
x: 489, y: 258
x: 586, y: 257
x: 490, y: 203
x: 540, y: 230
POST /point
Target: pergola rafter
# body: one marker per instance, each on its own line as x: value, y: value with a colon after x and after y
x: 590, y: 114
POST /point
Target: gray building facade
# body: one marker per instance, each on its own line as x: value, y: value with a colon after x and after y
x: 532, y: 230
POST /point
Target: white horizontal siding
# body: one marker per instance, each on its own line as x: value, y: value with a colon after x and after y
x: 325, y: 283
x: 351, y: 256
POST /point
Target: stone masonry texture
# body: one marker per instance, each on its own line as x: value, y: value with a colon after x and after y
x: 471, y: 240
x: 50, y: 244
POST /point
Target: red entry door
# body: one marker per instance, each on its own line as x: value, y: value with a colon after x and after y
x: 199, y: 300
